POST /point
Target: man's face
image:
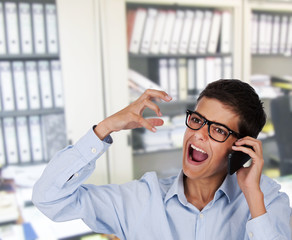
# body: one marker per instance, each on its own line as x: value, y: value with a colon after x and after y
x: 203, y: 157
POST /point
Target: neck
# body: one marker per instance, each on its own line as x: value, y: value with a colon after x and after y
x: 200, y: 192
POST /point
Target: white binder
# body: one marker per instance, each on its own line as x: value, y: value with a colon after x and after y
x: 173, y: 78
x: 289, y: 38
x: 2, y: 31
x: 191, y: 77
x: 57, y: 83
x: 227, y: 66
x: 226, y: 32
x: 186, y: 31
x: 45, y: 84
x: 23, y: 139
x: 283, y: 34
x: 196, y: 31
x: 276, y: 34
x: 163, y: 75
x: 10, y: 140
x: 36, y: 138
x: 52, y: 33
x: 254, y: 33
x: 7, y: 87
x: 138, y: 30
x: 182, y: 79
x: 218, y: 68
x: 268, y: 41
x: 25, y: 28
x: 177, y: 30
x: 32, y: 85
x: 167, y: 32
x: 262, y: 33
x: 20, y: 85
x: 2, y: 151
x: 205, y: 32
x: 12, y: 27
x: 210, y: 70
x: 215, y: 32
x: 148, y: 30
x: 39, y: 28
x: 158, y: 30
x: 200, y: 74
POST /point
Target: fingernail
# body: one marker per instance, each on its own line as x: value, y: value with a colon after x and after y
x: 154, y: 129
x: 160, y: 114
x: 168, y: 97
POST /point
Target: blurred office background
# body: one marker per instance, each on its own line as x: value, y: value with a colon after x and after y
x: 66, y: 65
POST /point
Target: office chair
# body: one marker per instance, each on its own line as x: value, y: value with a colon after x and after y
x: 281, y: 113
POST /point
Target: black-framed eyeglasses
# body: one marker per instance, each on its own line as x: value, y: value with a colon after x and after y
x: 217, y: 131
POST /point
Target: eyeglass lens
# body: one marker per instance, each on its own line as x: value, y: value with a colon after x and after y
x: 216, y: 131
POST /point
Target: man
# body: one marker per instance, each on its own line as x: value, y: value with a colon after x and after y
x: 202, y: 202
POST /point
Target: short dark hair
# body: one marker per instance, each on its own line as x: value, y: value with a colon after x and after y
x: 242, y: 100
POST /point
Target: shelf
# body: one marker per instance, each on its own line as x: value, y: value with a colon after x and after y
x: 178, y: 55
x: 21, y: 113
x: 23, y: 57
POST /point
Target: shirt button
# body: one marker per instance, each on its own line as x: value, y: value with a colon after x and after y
x: 93, y: 150
x: 201, y: 215
x: 250, y: 234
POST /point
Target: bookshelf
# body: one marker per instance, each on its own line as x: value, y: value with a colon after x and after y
x: 273, y: 17
x: 32, y: 105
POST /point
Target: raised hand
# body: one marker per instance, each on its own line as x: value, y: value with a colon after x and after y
x: 131, y: 116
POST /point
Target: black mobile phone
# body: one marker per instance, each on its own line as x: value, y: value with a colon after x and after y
x: 236, y: 160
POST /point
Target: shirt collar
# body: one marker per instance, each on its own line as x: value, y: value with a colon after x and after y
x: 229, y: 187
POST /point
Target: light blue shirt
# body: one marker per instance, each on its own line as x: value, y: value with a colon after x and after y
x: 152, y: 208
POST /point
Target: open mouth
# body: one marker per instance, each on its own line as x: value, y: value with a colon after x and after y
x: 197, y: 154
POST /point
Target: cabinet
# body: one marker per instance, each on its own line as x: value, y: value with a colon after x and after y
x: 272, y: 58
x: 32, y: 121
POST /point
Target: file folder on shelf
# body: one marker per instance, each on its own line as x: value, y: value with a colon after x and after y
x: 138, y: 30
x: 283, y: 34
x: 254, y: 33
x: 12, y: 27
x: 57, y: 83
x: 196, y: 31
x: 177, y: 30
x: 20, y: 85
x: 2, y: 31
x: 10, y: 140
x: 182, y: 78
x: 158, y: 30
x: 39, y: 28
x: 226, y: 32
x: 2, y: 151
x: 36, y: 138
x: 25, y: 28
x: 191, y: 77
x: 173, y: 78
x: 214, y: 32
x: 23, y: 139
x: 52, y: 33
x: 6, y: 86
x: 186, y: 31
x: 276, y: 34
x: 200, y: 74
x: 45, y: 84
x: 148, y: 30
x: 163, y: 75
x: 205, y: 32
x: 33, y: 85
x: 167, y: 33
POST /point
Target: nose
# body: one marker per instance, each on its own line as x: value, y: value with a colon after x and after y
x: 201, y: 134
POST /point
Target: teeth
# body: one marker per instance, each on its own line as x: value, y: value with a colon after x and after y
x: 197, y: 149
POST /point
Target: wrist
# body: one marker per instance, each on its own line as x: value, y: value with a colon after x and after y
x: 101, y: 130
x: 255, y: 201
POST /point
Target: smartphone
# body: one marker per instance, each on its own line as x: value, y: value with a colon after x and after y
x: 236, y: 160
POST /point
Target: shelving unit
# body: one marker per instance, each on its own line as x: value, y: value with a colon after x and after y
x: 30, y: 40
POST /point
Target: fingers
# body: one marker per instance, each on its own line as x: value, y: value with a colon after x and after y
x: 156, y: 94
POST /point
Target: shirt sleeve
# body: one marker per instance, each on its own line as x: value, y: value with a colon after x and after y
x: 274, y: 224
x: 61, y: 196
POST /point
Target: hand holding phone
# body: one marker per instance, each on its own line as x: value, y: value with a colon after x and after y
x: 236, y: 160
